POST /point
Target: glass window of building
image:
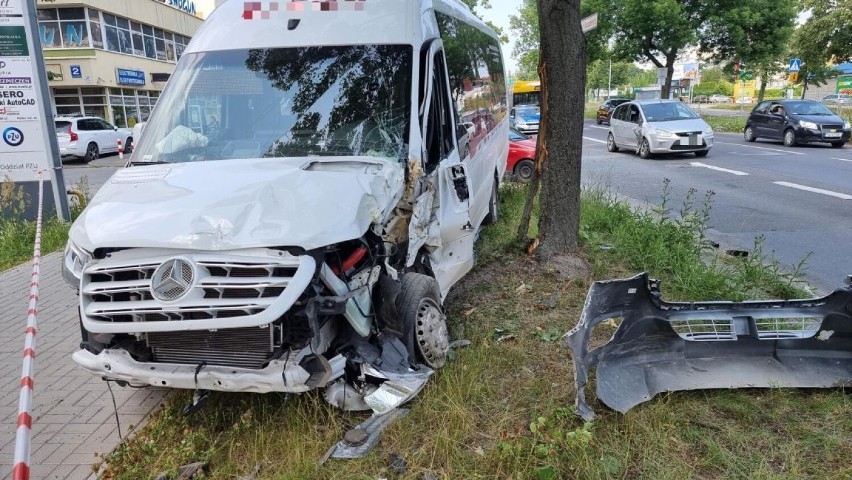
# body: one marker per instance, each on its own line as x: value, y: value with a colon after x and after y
x: 95, y: 29
x: 63, y: 28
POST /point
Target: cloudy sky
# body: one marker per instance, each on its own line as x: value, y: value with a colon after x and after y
x: 498, y: 13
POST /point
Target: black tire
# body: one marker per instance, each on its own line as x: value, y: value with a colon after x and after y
x: 128, y: 145
x: 702, y: 153
x: 599, y: 120
x: 748, y: 134
x: 419, y: 306
x: 610, y: 143
x: 645, y: 149
x: 493, y: 205
x: 524, y: 170
x: 92, y: 153
x: 789, y: 138
x: 838, y: 144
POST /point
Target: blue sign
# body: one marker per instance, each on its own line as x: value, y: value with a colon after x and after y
x: 130, y: 77
x: 13, y: 137
x: 795, y: 65
x: 76, y: 71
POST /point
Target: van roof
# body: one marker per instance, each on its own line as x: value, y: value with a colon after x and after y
x: 238, y: 24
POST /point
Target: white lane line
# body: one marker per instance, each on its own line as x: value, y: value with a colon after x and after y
x: 843, y: 159
x: 711, y: 167
x: 595, y: 126
x: 815, y: 190
x: 762, y: 148
x: 594, y: 140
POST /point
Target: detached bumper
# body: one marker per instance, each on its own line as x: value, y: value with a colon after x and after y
x: 279, y: 376
x: 666, y: 346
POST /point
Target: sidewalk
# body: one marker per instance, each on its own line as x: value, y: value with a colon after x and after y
x: 73, y: 417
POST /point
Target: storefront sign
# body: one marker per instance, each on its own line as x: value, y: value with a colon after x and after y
x: 187, y: 6
x: 130, y: 77
x: 13, y: 41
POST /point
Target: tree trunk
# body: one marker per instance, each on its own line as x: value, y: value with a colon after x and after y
x: 665, y: 90
x: 563, y: 53
x: 540, y: 155
x: 804, y: 86
x: 762, y: 91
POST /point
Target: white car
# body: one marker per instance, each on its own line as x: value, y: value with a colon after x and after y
x: 658, y: 126
x: 837, y: 99
x: 88, y: 137
x: 718, y: 98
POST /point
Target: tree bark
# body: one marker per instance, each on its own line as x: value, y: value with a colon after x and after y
x: 563, y: 54
x: 762, y: 91
x: 540, y: 155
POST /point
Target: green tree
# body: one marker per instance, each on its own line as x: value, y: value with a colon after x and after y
x: 824, y: 39
x: 756, y: 32
x: 714, y: 75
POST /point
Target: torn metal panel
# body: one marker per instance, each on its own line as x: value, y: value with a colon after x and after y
x: 360, y: 440
x: 670, y: 346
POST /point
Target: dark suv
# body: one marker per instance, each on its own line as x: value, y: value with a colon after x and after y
x: 796, y: 121
x: 605, y: 110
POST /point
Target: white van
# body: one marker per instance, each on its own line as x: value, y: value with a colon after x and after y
x: 298, y: 208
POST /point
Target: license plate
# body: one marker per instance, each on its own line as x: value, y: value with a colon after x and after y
x: 832, y: 134
x: 693, y: 140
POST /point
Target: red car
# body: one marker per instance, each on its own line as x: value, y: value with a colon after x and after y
x: 521, y: 162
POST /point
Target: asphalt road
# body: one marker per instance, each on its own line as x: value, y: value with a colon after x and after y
x: 799, y: 199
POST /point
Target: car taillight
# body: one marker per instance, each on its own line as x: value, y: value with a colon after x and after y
x: 74, y: 136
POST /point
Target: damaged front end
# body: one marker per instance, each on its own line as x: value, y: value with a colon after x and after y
x: 661, y: 346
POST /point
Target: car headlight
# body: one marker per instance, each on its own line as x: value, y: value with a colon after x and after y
x: 847, y: 126
x: 708, y: 130
x: 809, y: 125
x: 665, y: 133
x: 73, y: 261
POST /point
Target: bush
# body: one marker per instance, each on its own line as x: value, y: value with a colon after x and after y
x: 710, y: 88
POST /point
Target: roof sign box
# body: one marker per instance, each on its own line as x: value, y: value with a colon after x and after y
x: 844, y: 84
x: 187, y: 6
x: 130, y: 77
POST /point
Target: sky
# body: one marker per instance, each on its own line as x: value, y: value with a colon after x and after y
x: 498, y: 13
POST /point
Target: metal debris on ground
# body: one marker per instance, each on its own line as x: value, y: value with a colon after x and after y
x: 358, y: 441
x: 664, y: 346
x: 186, y: 472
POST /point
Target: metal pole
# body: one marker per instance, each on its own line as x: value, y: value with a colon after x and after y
x: 609, y: 85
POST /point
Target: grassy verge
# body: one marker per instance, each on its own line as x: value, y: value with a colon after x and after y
x: 725, y: 124
x: 17, y: 236
x: 502, y: 408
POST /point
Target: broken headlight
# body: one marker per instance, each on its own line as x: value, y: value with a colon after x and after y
x: 73, y: 261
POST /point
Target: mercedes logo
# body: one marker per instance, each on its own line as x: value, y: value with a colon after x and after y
x: 173, y: 279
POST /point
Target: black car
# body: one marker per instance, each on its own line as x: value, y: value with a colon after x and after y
x: 605, y: 110
x: 796, y: 121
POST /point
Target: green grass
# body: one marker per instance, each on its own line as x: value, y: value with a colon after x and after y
x: 725, y: 123
x: 17, y: 236
x: 502, y: 409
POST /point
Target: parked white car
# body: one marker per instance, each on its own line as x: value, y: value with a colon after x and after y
x: 718, y: 98
x: 837, y: 99
x: 89, y: 137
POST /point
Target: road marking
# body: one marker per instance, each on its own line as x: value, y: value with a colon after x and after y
x: 763, y: 148
x: 843, y: 159
x: 594, y: 140
x: 595, y: 126
x: 815, y: 190
x: 711, y: 167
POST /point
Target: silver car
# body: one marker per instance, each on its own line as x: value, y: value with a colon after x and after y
x: 658, y: 126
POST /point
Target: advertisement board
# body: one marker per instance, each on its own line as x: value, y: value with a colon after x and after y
x: 27, y: 142
x: 844, y: 84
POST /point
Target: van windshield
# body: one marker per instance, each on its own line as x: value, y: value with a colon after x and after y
x: 283, y: 102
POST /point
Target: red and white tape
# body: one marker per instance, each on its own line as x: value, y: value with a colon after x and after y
x: 21, y: 470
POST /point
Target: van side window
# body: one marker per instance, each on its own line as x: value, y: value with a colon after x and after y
x: 440, y: 130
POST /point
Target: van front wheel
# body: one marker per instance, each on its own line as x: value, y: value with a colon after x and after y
x: 426, y: 334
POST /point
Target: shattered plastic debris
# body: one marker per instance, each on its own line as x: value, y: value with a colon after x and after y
x: 664, y: 346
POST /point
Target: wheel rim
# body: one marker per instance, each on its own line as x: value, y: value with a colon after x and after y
x: 748, y: 134
x: 525, y: 171
x: 610, y: 143
x: 431, y: 335
x: 789, y: 138
x: 643, y: 150
x: 93, y: 152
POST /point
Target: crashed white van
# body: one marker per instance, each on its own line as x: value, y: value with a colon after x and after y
x: 303, y: 199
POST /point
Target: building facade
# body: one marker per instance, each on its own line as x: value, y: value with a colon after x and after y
x: 112, y: 58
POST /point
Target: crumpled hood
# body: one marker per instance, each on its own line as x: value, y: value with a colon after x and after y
x: 234, y: 204
x: 685, y: 125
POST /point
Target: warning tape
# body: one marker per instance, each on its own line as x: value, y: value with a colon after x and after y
x: 21, y: 470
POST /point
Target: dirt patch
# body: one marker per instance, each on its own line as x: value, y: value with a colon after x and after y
x: 569, y: 267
